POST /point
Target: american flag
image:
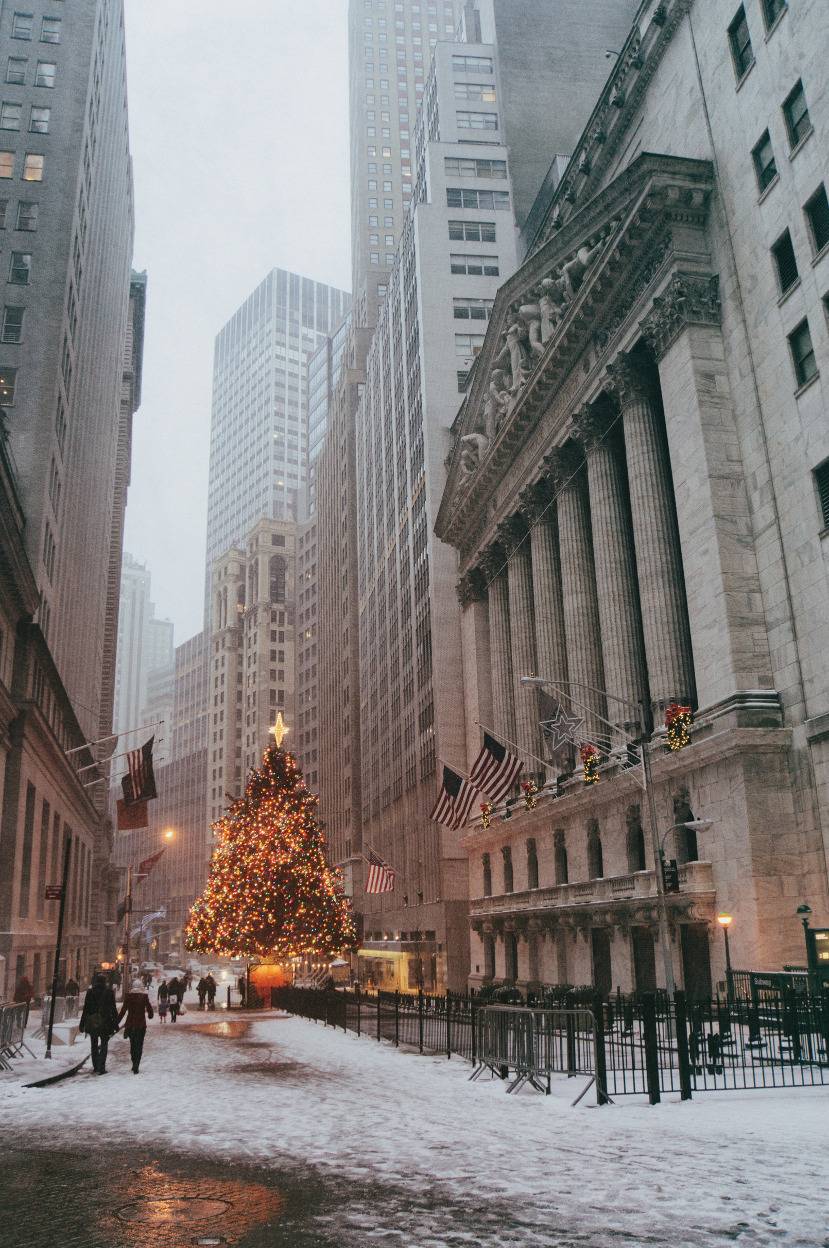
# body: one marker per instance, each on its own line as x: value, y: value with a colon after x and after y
x: 454, y: 800
x: 495, y: 770
x: 145, y: 867
x: 380, y: 877
x: 139, y: 782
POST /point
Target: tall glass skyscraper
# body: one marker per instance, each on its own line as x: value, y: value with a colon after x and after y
x: 258, y: 452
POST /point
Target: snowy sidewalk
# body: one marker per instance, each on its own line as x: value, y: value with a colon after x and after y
x: 282, y: 1093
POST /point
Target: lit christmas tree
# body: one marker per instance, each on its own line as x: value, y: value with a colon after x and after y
x: 270, y: 893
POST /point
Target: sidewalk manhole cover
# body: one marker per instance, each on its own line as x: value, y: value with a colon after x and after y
x: 172, y: 1208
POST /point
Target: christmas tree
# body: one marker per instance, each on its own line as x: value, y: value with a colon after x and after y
x: 270, y: 892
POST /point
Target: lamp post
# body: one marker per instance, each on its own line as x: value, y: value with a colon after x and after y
x: 804, y: 913
x: 725, y: 921
x: 656, y: 843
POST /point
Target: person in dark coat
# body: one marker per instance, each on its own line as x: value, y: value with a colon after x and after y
x: 23, y: 991
x: 210, y: 984
x: 99, y: 1020
x: 137, y: 1009
x: 201, y: 989
x: 174, y: 995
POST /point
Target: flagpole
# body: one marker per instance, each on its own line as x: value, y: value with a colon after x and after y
x: 500, y: 736
x: 87, y: 745
x: 127, y: 915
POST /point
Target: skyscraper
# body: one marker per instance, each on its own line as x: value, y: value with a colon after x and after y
x: 257, y: 433
x: 68, y: 213
x: 145, y: 657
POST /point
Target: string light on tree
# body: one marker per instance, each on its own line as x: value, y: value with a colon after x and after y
x: 271, y: 893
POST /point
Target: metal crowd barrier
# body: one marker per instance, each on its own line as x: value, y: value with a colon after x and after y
x: 12, y: 1033
x: 532, y: 1044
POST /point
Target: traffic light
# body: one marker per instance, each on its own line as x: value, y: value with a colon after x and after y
x: 670, y: 875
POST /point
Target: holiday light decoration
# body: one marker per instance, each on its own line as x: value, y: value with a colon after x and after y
x: 678, y: 722
x: 529, y: 788
x: 486, y: 814
x: 271, y: 893
x: 589, y: 756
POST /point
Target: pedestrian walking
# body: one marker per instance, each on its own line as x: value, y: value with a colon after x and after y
x: 174, y: 995
x: 72, y: 989
x: 163, y: 1000
x: 137, y: 1009
x: 201, y: 989
x: 23, y: 991
x: 99, y: 1020
x: 210, y: 984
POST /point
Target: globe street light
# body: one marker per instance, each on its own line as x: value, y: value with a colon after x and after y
x: 725, y: 921
x: 169, y: 834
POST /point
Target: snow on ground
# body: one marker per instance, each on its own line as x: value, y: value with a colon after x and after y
x: 747, y: 1166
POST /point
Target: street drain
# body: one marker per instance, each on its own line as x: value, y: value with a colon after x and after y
x: 172, y: 1208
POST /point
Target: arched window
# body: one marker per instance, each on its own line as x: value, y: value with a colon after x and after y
x: 560, y: 853
x: 487, y: 870
x: 687, y: 849
x: 595, y: 860
x: 277, y: 570
x: 635, y: 840
x: 532, y: 863
x: 240, y: 598
x: 506, y: 853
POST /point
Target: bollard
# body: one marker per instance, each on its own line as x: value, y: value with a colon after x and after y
x: 228, y: 996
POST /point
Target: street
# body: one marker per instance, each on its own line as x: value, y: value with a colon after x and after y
x: 268, y: 1130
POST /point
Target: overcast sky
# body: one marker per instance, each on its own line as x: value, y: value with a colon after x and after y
x: 239, y: 129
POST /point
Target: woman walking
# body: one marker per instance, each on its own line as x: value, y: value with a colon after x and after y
x: 175, y: 994
x: 163, y: 1000
x: 99, y: 1020
x: 137, y: 1009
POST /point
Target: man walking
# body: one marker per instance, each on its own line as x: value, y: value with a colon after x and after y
x: 174, y: 996
x: 137, y: 1009
x: 211, y: 991
x: 201, y: 989
x: 99, y: 1020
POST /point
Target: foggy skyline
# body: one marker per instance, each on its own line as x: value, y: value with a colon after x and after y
x: 239, y: 136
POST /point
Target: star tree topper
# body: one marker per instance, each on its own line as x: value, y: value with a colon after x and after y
x: 279, y: 731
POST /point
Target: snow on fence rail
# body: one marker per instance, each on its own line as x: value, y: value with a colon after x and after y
x: 640, y: 1044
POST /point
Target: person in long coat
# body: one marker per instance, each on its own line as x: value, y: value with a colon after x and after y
x: 174, y: 995
x: 137, y: 1009
x: 99, y: 1020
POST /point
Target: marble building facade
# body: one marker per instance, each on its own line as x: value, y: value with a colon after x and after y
x: 644, y: 520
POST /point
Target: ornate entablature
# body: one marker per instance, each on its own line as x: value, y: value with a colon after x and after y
x: 565, y: 314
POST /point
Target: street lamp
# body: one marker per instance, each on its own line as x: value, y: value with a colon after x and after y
x: 656, y: 842
x: 725, y: 921
x: 169, y: 834
x: 804, y: 912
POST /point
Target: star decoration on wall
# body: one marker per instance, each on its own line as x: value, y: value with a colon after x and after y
x: 562, y: 728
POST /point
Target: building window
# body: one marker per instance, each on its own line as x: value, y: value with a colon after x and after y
x: 39, y: 120
x: 483, y: 92
x: 467, y: 346
x: 772, y: 10
x: 472, y: 231
x: 460, y: 197
x: 456, y: 166
x: 477, y: 121
x: 472, y: 64
x: 10, y: 115
x: 22, y: 25
x: 27, y: 215
x: 465, y: 309
x: 16, y: 69
x: 765, y: 168
x: 20, y: 268
x: 506, y: 854
x: 532, y: 864
x: 822, y: 482
x: 45, y: 74
x: 796, y: 115
x: 803, y: 354
x: 635, y: 840
x: 12, y: 324
x: 560, y: 858
x: 817, y: 214
x: 474, y: 266
x: 463, y: 378
x: 6, y: 164
x: 33, y: 168
x: 785, y: 262
x: 487, y: 874
x: 50, y: 30
x: 8, y: 383
x: 595, y: 858
x: 740, y: 41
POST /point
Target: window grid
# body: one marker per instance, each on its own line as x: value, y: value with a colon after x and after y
x: 803, y: 354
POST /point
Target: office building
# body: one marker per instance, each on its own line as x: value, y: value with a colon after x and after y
x: 145, y: 663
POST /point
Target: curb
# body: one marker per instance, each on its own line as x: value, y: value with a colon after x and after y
x: 63, y: 1074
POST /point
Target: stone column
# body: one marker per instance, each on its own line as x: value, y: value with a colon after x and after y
x: 539, y: 511
x: 578, y: 583
x: 476, y: 663
x: 729, y: 627
x: 494, y: 566
x: 658, y: 558
x: 623, y: 651
x: 514, y: 537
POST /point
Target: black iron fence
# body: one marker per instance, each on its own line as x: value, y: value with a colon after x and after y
x: 642, y: 1044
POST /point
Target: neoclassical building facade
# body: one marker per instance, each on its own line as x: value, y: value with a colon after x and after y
x: 641, y: 523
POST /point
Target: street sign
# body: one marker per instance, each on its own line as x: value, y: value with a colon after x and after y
x: 54, y: 892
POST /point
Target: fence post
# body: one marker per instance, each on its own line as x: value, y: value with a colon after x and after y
x: 397, y: 1018
x: 600, y: 1056
x: 378, y: 1013
x: 651, y: 1046
x: 824, y: 1020
x: 358, y: 995
x: 448, y: 1003
x: 473, y: 1014
x: 420, y: 1018
x: 683, y: 1058
x: 570, y: 1038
